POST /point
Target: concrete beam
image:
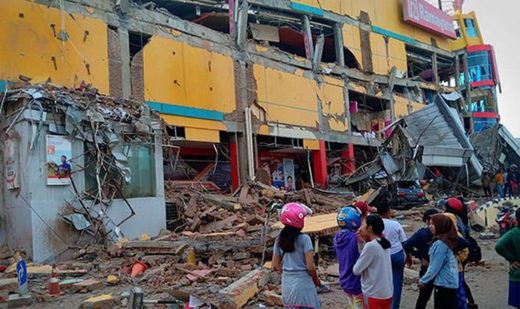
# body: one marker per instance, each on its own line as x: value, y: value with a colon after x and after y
x: 338, y: 44
x: 457, y: 72
x: 390, y: 92
x: 242, y: 23
x: 307, y: 37
x: 318, y: 52
x: 346, y: 96
x: 126, y: 82
x: 466, y: 79
x: 435, y: 69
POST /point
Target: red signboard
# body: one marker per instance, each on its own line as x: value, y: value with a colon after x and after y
x: 425, y: 15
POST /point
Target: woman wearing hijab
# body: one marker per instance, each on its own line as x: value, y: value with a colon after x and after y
x: 443, y: 267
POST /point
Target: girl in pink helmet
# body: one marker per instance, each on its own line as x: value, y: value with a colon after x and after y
x: 293, y: 255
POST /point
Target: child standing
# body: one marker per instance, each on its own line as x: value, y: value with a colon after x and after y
x: 394, y: 232
x: 374, y: 264
x: 347, y: 253
x: 294, y: 257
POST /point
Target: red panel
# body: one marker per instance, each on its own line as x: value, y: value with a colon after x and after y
x: 235, y: 174
x: 478, y: 48
x: 425, y: 15
x: 489, y: 48
x: 485, y: 115
x: 187, y: 151
x: 496, y: 76
x: 348, y: 155
x: 483, y: 83
x: 319, y: 160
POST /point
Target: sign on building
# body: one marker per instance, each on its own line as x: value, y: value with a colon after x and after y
x: 12, y: 164
x: 422, y: 14
x: 59, y: 153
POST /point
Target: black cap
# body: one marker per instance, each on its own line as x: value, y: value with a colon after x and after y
x: 428, y: 213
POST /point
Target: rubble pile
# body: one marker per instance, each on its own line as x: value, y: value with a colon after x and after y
x: 205, y: 213
x: 216, y: 254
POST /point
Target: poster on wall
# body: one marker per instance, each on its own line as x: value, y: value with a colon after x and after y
x: 278, y: 179
x: 12, y: 164
x: 59, y: 152
x: 288, y: 172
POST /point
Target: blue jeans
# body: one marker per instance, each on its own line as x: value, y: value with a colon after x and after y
x: 500, y: 190
x: 398, y: 277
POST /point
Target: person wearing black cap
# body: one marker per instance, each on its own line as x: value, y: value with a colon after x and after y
x: 417, y: 246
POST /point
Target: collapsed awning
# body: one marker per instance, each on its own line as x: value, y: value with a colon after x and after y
x: 439, y: 132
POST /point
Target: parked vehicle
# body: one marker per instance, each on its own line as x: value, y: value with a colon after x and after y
x: 401, y: 195
x: 506, y: 219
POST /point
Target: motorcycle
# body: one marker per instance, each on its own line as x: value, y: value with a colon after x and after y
x: 506, y: 219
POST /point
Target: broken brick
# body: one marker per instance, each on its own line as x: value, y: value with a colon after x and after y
x: 88, y: 285
x: 105, y: 301
x: 271, y: 298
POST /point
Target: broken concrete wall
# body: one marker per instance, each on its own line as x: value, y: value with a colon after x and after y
x: 16, y: 214
x: 114, y: 64
x: 33, y: 211
x: 46, y: 45
x: 137, y: 77
x: 288, y: 97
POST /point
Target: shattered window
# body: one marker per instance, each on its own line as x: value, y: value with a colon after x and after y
x: 128, y: 172
x: 471, y: 31
x: 142, y: 167
x: 479, y: 66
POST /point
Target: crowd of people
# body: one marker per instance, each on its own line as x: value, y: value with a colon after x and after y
x: 504, y: 183
x: 372, y: 250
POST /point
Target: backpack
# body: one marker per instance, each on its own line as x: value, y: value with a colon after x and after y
x: 475, y: 253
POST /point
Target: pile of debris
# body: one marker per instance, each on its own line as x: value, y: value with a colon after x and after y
x: 217, y: 254
x: 203, y: 213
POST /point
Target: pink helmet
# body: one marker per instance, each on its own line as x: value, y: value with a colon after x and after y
x: 293, y: 214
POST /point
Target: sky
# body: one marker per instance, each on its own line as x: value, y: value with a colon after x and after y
x: 498, y: 21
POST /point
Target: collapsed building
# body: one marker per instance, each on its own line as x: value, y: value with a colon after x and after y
x: 295, y: 93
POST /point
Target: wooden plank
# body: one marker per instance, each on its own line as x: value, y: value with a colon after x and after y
x: 321, y: 225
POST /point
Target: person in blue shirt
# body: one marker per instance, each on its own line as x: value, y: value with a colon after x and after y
x: 347, y: 252
x: 417, y: 246
x: 443, y: 267
x: 64, y: 169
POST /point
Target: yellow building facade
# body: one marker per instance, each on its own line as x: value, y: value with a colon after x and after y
x: 207, y: 69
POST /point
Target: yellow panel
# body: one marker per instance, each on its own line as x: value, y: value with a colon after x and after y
x: 287, y: 98
x: 202, y: 135
x: 380, y: 65
x: 194, y: 123
x: 177, y: 73
x: 31, y: 47
x: 397, y: 53
x: 311, y: 144
x: 416, y: 106
x: 333, y: 103
x: 400, y: 107
x: 263, y: 129
x: 352, y: 41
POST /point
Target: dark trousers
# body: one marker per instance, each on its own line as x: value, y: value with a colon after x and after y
x: 445, y: 298
x: 425, y: 293
x: 469, y: 295
x: 397, y: 277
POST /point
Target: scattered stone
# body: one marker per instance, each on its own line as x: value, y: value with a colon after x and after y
x: 104, y: 301
x: 272, y: 299
x: 17, y: 301
x: 240, y: 292
x: 88, y: 285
